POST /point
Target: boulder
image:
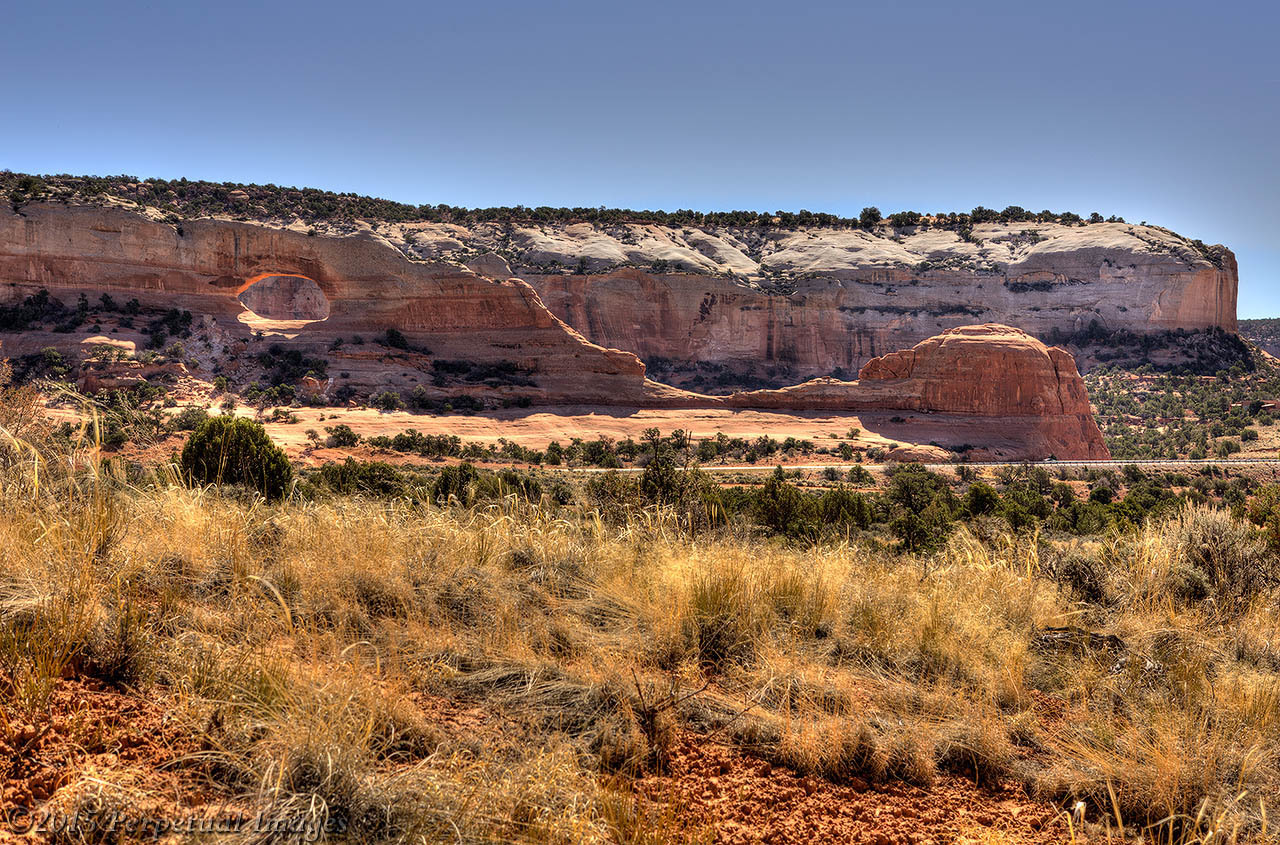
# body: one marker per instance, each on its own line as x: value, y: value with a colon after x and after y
x: 98, y: 375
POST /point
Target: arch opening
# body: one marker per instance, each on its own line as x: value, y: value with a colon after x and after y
x: 282, y: 302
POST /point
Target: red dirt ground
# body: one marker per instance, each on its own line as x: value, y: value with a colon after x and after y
x: 132, y: 746
x: 746, y: 800
x: 126, y: 749
x: 89, y: 730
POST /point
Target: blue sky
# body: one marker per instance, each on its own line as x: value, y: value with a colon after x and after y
x: 1167, y: 112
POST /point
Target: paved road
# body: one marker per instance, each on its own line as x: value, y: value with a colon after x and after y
x: 765, y: 466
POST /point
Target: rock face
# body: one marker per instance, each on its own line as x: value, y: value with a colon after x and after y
x: 353, y: 284
x: 815, y: 302
x: 988, y: 371
x: 806, y: 302
x: 991, y: 370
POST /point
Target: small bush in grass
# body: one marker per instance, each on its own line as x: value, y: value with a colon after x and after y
x: 121, y: 649
x: 342, y: 435
x: 455, y: 483
x: 1083, y: 575
x: 1222, y: 554
x: 233, y: 450
x: 189, y: 418
x: 387, y: 401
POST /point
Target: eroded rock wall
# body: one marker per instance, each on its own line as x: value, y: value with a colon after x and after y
x: 817, y: 300
x: 811, y: 302
x: 204, y: 265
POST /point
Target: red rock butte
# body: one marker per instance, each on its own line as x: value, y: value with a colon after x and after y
x: 967, y: 372
x: 949, y: 387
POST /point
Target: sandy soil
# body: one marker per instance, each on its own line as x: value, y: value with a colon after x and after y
x: 536, y: 427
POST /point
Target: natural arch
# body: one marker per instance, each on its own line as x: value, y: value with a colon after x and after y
x: 284, y: 297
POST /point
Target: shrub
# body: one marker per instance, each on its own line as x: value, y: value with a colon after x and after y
x: 54, y: 364
x: 782, y: 508
x: 861, y: 476
x: 284, y: 365
x: 395, y: 339
x: 387, y: 401
x: 841, y: 508
x: 507, y: 482
x: 342, y: 435
x: 904, y: 218
x: 980, y: 499
x: 233, y: 450
x: 374, y: 478
x: 189, y: 418
x: 921, y: 507
x: 613, y: 493
x: 1232, y: 558
x: 1083, y: 575
x: 455, y: 483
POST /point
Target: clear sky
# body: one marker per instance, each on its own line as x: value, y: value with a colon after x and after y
x: 1167, y: 112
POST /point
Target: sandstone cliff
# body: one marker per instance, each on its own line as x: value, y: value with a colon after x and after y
x: 315, y: 290
x: 990, y: 371
x: 814, y: 302
x: 802, y: 302
x: 763, y: 301
x: 352, y: 284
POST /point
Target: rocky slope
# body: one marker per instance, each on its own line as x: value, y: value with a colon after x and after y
x: 1264, y: 333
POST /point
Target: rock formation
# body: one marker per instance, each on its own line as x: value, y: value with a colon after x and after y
x: 360, y: 282
x: 806, y: 302
x: 97, y: 375
x: 325, y: 289
x: 276, y: 297
x: 988, y: 371
x: 991, y: 370
x: 814, y: 302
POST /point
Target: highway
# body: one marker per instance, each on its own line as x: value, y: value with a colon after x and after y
x: 765, y: 466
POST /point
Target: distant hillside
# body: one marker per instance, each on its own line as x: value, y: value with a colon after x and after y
x: 186, y: 198
x: 712, y: 301
x: 1264, y: 333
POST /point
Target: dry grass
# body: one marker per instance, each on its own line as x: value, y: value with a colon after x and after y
x: 315, y: 646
